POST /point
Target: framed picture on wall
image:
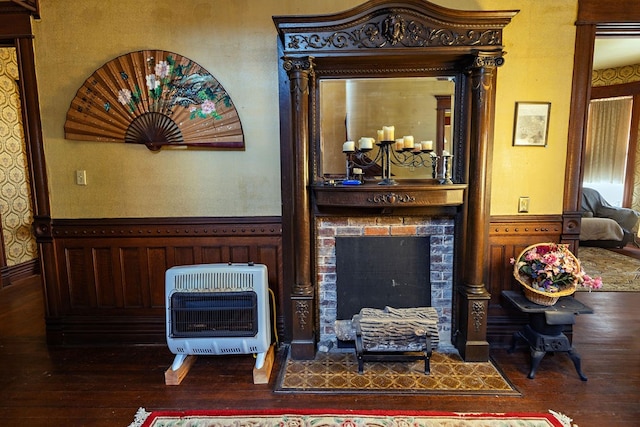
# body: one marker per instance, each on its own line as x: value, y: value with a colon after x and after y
x: 531, y: 124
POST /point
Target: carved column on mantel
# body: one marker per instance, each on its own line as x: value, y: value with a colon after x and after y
x: 299, y: 70
x: 474, y: 302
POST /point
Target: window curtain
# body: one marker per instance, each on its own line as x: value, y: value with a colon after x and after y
x: 607, y: 142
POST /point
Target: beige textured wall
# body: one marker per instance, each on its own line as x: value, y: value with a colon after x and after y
x: 236, y: 42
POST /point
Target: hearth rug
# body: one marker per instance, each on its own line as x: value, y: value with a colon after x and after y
x: 345, y: 418
x: 337, y: 372
x: 619, y: 273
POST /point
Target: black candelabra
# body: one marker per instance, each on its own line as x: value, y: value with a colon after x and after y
x: 401, y: 152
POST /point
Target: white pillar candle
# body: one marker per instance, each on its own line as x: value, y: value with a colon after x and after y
x: 417, y: 147
x: 408, y: 141
x: 427, y: 145
x: 388, y: 133
x: 349, y: 147
x: 399, y: 144
x: 365, y: 143
x: 357, y: 171
x: 445, y: 153
x: 380, y: 135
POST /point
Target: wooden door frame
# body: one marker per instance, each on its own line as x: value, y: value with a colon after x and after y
x: 595, y: 17
x: 16, y: 31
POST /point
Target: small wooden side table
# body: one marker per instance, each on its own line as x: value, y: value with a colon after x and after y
x: 544, y: 331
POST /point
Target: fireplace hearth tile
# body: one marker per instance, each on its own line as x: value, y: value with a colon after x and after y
x: 337, y: 372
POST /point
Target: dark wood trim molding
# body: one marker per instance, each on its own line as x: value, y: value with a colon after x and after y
x: 15, y: 22
x: 108, y: 281
x: 14, y: 273
x: 608, y: 14
x: 623, y: 89
x: 15, y: 31
x: 595, y: 17
x: 32, y: 6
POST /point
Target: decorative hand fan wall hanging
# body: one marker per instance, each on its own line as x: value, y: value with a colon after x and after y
x: 155, y: 98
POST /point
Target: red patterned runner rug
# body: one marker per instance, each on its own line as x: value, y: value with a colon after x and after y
x: 345, y: 418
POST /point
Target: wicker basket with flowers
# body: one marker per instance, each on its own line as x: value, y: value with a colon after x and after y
x: 548, y: 271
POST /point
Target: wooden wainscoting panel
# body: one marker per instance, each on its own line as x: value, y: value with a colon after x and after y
x: 77, y: 266
x: 508, y: 236
x: 133, y: 283
x: 107, y: 295
x: 156, y: 261
x: 111, y: 273
x: 212, y: 254
x: 185, y: 256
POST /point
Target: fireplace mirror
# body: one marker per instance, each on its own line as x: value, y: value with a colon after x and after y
x: 354, y: 108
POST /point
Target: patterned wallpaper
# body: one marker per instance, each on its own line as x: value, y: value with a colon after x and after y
x: 15, y: 197
x: 613, y: 76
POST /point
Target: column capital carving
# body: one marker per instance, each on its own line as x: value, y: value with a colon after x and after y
x: 488, y: 59
x: 293, y: 64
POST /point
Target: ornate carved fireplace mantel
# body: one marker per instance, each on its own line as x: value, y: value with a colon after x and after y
x: 384, y: 39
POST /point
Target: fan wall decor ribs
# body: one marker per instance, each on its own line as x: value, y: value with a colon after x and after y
x: 155, y: 98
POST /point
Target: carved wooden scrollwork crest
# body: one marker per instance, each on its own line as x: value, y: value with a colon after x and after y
x: 397, y: 28
x: 391, y: 198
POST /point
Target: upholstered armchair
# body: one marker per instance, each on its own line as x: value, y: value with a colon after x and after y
x: 604, y: 224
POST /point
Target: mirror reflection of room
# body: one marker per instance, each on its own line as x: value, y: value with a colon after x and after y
x: 354, y: 108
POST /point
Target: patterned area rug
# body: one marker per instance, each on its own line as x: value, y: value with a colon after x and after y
x: 620, y: 273
x: 346, y: 418
x: 338, y: 373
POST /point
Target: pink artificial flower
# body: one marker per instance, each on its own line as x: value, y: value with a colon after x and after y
x: 531, y: 255
x: 124, y: 96
x: 162, y: 69
x: 208, y: 107
x: 543, y: 249
x: 550, y: 259
x: 591, y: 282
x: 552, y: 268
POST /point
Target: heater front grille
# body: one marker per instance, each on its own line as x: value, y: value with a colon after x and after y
x: 219, y: 280
x: 214, y: 314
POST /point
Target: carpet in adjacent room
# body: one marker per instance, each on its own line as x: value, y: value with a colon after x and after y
x: 619, y: 273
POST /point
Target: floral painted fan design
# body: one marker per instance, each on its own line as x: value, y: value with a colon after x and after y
x: 156, y: 98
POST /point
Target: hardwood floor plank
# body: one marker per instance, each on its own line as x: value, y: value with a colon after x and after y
x: 104, y: 386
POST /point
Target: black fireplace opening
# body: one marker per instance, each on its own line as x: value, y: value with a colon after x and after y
x: 374, y: 271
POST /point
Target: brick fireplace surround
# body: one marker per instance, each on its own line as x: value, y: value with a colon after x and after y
x: 440, y: 231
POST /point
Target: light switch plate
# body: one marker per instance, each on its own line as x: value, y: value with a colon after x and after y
x: 523, y: 205
x: 81, y: 177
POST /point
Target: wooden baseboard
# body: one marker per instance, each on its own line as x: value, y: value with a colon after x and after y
x: 15, y: 273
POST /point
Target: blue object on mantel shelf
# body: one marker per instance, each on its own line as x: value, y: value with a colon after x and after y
x: 351, y: 182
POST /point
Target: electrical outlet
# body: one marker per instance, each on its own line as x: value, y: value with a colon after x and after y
x: 523, y: 205
x: 81, y: 177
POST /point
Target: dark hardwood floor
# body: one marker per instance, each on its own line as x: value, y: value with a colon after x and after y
x: 630, y: 250
x: 80, y: 386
